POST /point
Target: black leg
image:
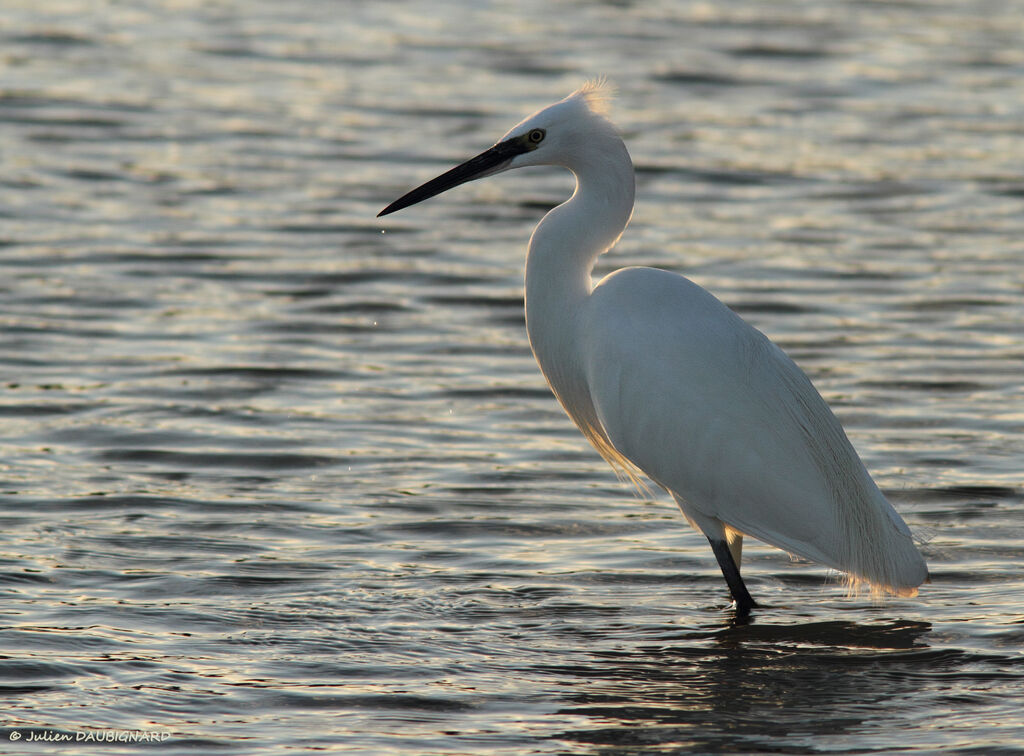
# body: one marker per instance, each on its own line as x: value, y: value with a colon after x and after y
x: 744, y: 603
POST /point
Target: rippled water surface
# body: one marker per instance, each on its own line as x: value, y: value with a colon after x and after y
x: 280, y: 477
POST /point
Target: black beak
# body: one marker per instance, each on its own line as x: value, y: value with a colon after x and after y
x: 484, y: 164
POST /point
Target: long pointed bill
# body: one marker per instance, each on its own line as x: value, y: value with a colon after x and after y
x: 486, y: 163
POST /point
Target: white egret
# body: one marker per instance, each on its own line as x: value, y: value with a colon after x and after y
x: 663, y: 378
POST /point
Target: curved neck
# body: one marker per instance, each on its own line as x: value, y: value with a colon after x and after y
x: 562, y: 253
x: 571, y: 237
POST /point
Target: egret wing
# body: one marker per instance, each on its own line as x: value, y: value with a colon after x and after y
x: 710, y: 409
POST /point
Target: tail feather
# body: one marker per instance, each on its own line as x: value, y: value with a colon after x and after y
x: 878, y: 547
x: 868, y: 542
x: 874, y: 548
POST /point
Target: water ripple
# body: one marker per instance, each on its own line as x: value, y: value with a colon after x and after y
x: 279, y: 477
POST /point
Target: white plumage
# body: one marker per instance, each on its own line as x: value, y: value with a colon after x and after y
x: 663, y: 378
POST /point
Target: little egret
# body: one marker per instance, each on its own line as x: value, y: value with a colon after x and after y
x: 663, y: 378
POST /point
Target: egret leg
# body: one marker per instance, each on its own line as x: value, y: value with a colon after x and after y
x: 735, y: 540
x: 731, y: 571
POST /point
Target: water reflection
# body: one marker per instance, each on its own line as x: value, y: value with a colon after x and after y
x: 743, y: 686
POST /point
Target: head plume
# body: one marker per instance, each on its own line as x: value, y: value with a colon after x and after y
x: 596, y: 93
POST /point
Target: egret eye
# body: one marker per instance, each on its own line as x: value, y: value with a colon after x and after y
x: 536, y: 136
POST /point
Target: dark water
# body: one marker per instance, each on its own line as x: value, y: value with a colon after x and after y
x: 277, y: 477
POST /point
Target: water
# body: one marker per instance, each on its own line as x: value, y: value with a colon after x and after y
x: 278, y: 477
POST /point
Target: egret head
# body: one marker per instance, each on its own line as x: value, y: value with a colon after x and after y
x: 552, y: 136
